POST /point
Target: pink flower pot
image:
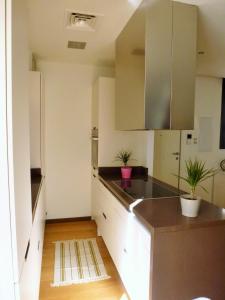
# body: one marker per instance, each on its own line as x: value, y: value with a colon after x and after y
x: 126, y: 172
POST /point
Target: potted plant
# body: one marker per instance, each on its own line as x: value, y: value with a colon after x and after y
x: 124, y: 156
x: 196, y: 174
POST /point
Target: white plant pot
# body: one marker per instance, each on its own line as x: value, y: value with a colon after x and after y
x: 189, y: 206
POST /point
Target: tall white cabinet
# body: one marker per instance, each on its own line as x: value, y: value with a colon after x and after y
x: 6, y: 278
x: 20, y: 271
x: 28, y: 276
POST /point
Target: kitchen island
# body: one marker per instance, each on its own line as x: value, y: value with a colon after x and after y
x: 187, y: 255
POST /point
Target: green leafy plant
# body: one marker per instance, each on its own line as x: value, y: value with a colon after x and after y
x: 196, y: 174
x: 124, y: 156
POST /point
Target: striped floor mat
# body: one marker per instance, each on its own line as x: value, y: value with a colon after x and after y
x: 78, y: 261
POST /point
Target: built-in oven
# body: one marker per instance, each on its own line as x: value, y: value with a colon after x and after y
x: 94, y: 148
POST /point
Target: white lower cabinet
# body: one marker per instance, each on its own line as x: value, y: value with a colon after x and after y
x: 30, y: 278
x: 97, y: 194
x: 128, y: 242
x: 94, y: 196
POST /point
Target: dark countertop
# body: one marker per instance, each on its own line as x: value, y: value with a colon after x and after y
x: 36, y: 182
x: 165, y: 215
x: 107, y: 175
x: 161, y: 214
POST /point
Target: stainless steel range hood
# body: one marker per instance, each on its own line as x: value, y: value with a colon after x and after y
x: 155, y: 67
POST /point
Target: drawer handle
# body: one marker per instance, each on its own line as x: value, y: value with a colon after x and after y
x: 125, y: 250
x: 104, y: 216
x: 27, y: 250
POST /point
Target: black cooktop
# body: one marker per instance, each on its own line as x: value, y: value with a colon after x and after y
x: 143, y: 189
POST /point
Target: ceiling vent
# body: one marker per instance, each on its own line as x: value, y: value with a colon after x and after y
x: 81, y: 21
x: 76, y: 45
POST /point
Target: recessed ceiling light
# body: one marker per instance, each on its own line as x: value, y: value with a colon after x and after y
x: 82, y: 21
x: 134, y: 2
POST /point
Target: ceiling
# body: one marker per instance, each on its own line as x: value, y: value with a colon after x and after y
x: 49, y: 35
x: 211, y: 36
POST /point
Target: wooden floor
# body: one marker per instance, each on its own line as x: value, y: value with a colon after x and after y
x: 110, y: 289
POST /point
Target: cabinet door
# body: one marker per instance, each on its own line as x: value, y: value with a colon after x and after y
x: 134, y: 265
x: 141, y: 249
x: 113, y: 221
x: 126, y: 262
x: 94, y: 197
x: 27, y: 283
x: 120, y: 219
x: 97, y: 204
x: 35, y: 118
x: 105, y: 215
x: 30, y: 278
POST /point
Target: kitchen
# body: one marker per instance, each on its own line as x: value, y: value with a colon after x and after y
x: 76, y: 91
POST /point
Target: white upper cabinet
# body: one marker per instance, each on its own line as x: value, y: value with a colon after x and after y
x: 35, y: 118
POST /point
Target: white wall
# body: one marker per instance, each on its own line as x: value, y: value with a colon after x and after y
x: 208, y: 104
x: 150, y: 151
x: 111, y: 141
x: 68, y: 94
